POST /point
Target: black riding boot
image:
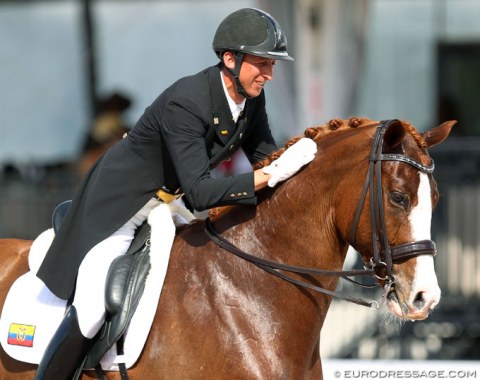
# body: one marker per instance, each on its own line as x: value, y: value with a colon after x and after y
x: 66, y: 351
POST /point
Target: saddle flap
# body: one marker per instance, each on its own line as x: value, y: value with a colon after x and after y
x: 119, y: 280
x: 125, y: 284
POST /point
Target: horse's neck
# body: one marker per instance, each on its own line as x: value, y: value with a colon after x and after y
x: 290, y: 227
x: 304, y: 221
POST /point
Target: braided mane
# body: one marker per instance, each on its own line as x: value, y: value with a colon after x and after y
x: 316, y: 133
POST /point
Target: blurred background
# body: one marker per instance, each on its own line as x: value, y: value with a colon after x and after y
x: 75, y: 75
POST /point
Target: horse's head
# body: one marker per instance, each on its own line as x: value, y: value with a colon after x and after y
x: 369, y: 186
x: 391, y: 223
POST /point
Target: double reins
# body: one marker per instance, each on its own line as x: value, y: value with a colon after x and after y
x: 384, y: 256
x: 275, y: 268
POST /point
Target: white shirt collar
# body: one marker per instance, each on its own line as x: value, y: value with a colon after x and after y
x: 235, y: 108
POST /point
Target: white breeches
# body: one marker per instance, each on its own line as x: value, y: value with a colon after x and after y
x: 90, y: 291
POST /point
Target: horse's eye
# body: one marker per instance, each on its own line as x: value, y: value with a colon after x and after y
x: 399, y: 199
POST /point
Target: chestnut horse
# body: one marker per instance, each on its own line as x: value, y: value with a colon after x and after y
x: 221, y: 317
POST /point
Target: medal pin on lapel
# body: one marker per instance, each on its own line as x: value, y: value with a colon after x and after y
x: 224, y: 132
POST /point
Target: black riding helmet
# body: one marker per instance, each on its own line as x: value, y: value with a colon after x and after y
x: 250, y: 31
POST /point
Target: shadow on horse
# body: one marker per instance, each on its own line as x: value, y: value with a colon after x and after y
x: 221, y: 317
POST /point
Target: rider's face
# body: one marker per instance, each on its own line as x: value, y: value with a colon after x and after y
x: 254, y: 73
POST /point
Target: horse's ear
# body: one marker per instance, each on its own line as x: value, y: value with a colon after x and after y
x: 394, y: 135
x: 436, y: 135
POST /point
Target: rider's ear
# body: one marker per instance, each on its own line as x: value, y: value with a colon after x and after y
x: 436, y: 135
x: 394, y: 135
x: 229, y: 60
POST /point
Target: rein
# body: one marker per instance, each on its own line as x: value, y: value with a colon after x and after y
x: 275, y: 268
x: 383, y: 254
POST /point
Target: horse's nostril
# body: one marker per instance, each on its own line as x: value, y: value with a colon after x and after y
x: 419, y: 301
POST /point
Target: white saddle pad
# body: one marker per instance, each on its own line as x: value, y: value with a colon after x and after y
x: 30, y: 317
x: 31, y: 313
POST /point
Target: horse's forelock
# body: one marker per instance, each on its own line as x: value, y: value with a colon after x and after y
x: 416, y: 135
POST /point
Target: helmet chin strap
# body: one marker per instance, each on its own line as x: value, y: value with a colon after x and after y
x: 236, y: 73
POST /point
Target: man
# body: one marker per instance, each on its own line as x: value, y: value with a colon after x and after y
x: 190, y: 128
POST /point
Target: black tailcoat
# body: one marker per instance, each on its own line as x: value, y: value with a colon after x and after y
x: 186, y: 132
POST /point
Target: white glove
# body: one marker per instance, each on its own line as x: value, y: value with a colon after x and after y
x: 291, y: 161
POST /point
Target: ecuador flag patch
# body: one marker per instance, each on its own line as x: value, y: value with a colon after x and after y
x: 21, y: 335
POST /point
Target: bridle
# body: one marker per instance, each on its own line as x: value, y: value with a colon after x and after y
x: 384, y: 255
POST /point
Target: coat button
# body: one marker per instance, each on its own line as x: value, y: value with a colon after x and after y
x: 232, y: 195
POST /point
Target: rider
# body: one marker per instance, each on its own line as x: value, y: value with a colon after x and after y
x: 190, y: 128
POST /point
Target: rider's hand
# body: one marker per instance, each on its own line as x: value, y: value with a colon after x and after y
x: 291, y: 161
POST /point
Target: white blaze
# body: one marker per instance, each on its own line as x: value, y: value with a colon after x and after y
x: 421, y: 215
x: 420, y: 221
